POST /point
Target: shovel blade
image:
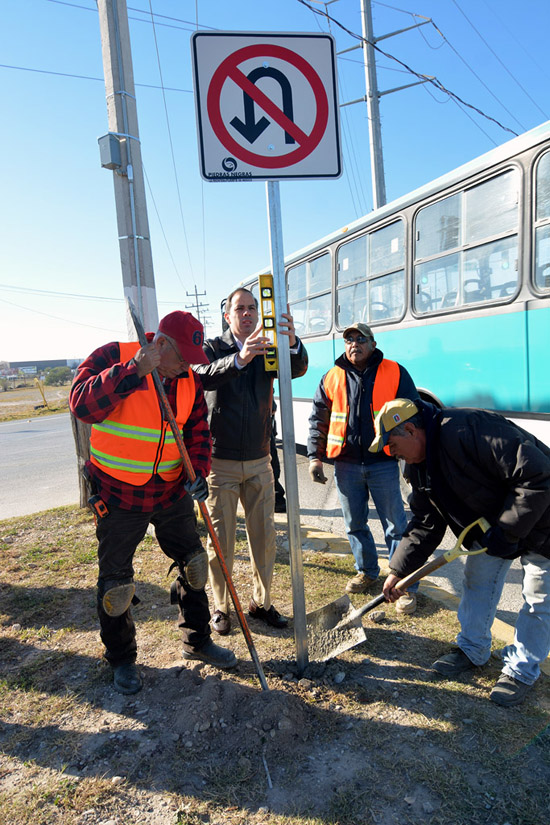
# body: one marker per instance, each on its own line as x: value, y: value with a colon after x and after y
x: 328, y: 635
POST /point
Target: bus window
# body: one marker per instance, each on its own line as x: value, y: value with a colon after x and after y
x: 370, y: 276
x: 438, y: 227
x: 477, y: 271
x: 437, y: 284
x: 387, y: 249
x: 311, y: 311
x: 312, y: 316
x: 490, y: 271
x: 387, y: 296
x: 542, y: 228
x: 492, y: 208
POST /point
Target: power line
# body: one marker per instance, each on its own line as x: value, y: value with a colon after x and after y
x: 172, y: 147
x: 504, y: 66
x: 76, y: 295
x: 434, y: 81
x: 88, y: 77
x: 58, y: 318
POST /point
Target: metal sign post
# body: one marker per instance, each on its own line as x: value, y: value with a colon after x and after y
x: 287, y: 427
x: 267, y: 109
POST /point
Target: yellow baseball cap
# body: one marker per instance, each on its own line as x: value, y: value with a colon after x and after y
x: 392, y: 413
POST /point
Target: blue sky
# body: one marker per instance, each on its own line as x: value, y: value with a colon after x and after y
x: 60, y: 277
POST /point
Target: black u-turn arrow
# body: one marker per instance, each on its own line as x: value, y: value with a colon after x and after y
x: 251, y: 129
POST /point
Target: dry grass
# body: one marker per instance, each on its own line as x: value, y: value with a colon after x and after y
x: 25, y: 402
x: 369, y: 738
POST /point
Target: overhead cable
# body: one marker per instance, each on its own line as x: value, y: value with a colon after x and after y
x: 424, y: 78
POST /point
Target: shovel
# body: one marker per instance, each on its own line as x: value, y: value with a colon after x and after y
x: 337, y: 626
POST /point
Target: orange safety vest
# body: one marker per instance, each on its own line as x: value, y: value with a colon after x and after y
x: 385, y: 387
x: 134, y: 442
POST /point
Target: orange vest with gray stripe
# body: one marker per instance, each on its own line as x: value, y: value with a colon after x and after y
x: 385, y: 388
x: 134, y: 442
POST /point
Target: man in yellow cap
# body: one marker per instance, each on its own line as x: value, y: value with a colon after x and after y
x: 464, y: 464
x: 341, y: 427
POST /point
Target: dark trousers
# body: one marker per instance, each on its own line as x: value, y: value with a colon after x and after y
x: 118, y: 535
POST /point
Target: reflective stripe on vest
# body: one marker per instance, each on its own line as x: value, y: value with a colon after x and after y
x: 134, y: 442
x: 385, y: 388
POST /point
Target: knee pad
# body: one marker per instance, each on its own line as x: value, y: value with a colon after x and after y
x: 117, y: 598
x: 194, y: 571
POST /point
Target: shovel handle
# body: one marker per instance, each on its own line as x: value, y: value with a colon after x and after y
x: 191, y: 475
x: 427, y: 568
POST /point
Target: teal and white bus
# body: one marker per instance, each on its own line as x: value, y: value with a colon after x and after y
x: 454, y: 280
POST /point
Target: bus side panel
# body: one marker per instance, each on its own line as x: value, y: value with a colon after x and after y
x: 321, y: 359
x: 538, y: 329
x: 472, y: 362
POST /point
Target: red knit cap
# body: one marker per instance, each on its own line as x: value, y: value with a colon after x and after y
x: 188, y: 333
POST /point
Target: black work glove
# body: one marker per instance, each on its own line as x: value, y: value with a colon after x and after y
x: 316, y: 471
x: 197, y: 489
x: 497, y: 545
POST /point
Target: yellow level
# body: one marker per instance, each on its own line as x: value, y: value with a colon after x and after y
x: 267, y: 306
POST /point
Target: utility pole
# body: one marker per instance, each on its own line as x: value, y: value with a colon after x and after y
x: 373, y: 109
x: 121, y: 151
x: 372, y: 97
x: 197, y: 306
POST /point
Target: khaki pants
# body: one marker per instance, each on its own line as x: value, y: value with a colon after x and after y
x: 252, y: 483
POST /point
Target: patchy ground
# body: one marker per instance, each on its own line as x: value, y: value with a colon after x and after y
x: 370, y: 737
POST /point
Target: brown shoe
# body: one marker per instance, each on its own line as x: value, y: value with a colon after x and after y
x: 221, y: 623
x: 360, y: 583
x: 271, y: 616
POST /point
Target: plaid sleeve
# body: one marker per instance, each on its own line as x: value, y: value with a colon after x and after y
x: 101, y: 383
x: 196, y: 434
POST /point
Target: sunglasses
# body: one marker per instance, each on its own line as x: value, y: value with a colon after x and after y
x: 359, y: 339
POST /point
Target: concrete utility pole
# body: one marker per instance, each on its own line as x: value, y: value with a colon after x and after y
x: 373, y: 109
x: 121, y: 152
x: 372, y: 97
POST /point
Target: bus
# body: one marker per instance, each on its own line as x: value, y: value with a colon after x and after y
x: 453, y: 279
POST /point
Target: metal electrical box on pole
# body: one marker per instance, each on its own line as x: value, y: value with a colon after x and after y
x: 120, y: 151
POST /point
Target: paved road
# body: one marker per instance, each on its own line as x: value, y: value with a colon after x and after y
x: 38, y: 465
x: 38, y: 471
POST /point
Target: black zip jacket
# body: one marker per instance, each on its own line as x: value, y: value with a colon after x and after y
x: 477, y: 464
x: 240, y: 400
x: 360, y: 428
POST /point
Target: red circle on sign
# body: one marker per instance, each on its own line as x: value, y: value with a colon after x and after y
x: 226, y: 70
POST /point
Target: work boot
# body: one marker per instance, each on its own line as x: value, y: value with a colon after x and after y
x: 453, y: 663
x: 212, y: 654
x: 127, y: 678
x: 360, y: 583
x: 221, y: 623
x: 509, y: 691
x: 406, y: 603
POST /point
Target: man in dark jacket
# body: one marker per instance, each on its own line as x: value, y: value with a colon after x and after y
x: 239, y: 394
x: 341, y: 426
x: 465, y: 464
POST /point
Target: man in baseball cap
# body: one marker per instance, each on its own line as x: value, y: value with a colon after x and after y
x: 391, y: 415
x: 341, y: 427
x: 136, y: 475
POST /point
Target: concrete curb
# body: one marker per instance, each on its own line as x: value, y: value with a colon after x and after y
x: 323, y: 542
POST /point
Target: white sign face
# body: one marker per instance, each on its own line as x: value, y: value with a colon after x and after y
x: 267, y: 105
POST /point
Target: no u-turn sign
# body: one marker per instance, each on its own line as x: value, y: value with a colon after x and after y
x: 267, y: 105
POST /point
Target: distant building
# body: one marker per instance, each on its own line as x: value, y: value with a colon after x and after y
x: 35, y: 367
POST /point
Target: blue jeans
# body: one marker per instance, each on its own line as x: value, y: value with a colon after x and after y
x: 483, y: 582
x: 353, y: 482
